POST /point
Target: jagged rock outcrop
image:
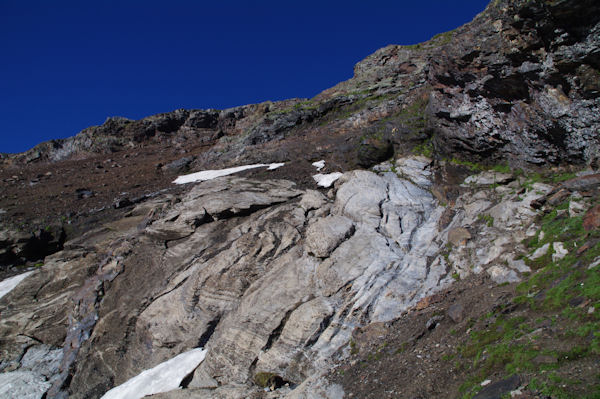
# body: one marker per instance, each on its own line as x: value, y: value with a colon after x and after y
x: 520, y: 95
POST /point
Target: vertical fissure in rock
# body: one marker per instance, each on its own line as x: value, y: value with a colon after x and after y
x: 322, y: 327
x: 276, y: 333
x: 207, y: 334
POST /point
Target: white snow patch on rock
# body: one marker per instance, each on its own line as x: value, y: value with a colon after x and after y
x: 319, y: 165
x: 328, y: 179
x: 213, y: 174
x: 165, y: 377
x: 274, y: 166
x: 9, y: 284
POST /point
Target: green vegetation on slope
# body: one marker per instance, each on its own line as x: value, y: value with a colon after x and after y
x: 552, y: 323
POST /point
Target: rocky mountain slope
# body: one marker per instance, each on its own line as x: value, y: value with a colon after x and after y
x: 458, y: 252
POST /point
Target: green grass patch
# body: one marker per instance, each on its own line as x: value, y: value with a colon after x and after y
x: 563, y: 293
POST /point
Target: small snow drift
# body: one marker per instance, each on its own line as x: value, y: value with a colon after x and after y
x: 9, y: 284
x: 274, y: 166
x: 328, y: 179
x: 319, y: 165
x: 165, y: 377
x: 213, y: 174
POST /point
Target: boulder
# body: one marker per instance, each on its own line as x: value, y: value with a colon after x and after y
x: 327, y: 234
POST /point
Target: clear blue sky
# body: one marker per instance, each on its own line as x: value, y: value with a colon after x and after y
x: 67, y: 65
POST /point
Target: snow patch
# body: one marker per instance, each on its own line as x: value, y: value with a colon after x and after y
x: 319, y: 165
x: 213, y: 174
x: 165, y: 377
x: 9, y: 284
x: 328, y: 179
x: 274, y: 166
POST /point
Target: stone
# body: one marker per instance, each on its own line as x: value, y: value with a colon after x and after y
x: 122, y: 203
x: 559, y: 251
x: 317, y: 387
x: 209, y: 200
x: 496, y: 390
x: 583, y: 183
x: 327, y: 234
x: 180, y: 165
x: 84, y: 193
x: 456, y: 312
x: 474, y: 209
x: 518, y: 265
x: 591, y: 219
x: 576, y: 208
x: 416, y: 169
x: 364, y: 208
x: 541, y: 251
x: 433, y: 322
x: 488, y: 178
x: 43, y: 360
x: 312, y: 199
x: 373, y: 150
x: 502, y: 275
x: 558, y: 197
x: 458, y: 236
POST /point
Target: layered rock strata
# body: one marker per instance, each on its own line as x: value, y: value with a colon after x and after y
x: 267, y: 277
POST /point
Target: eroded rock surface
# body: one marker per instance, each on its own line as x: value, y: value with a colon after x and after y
x: 267, y: 277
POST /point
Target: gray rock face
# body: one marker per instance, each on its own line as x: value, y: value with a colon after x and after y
x: 325, y: 235
x: 268, y: 278
x: 38, y: 369
x: 22, y: 384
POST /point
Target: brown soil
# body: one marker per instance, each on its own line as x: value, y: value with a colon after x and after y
x: 405, y: 358
x: 82, y: 192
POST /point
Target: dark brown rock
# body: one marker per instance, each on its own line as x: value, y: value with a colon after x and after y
x: 583, y: 183
x: 558, y: 197
x: 591, y: 219
x: 498, y: 389
x: 373, y: 151
x: 456, y: 312
x: 458, y: 236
